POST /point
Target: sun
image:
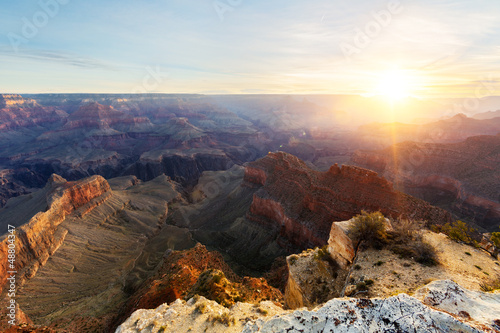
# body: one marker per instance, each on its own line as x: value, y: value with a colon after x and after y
x: 394, y: 84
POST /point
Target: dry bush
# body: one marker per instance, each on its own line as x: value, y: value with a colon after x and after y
x: 369, y: 229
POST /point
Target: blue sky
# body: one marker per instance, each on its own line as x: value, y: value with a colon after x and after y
x: 440, y: 48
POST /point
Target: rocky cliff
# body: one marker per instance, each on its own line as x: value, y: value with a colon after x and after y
x: 441, y: 306
x: 301, y: 203
x: 17, y: 112
x: 197, y: 271
x: 40, y: 237
x: 463, y: 177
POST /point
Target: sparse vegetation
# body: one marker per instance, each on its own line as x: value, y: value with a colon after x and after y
x: 379, y: 263
x: 357, y: 267
x: 321, y: 253
x: 491, y: 286
x: 369, y: 229
x: 408, y: 243
x: 201, y: 307
x: 495, y: 238
x: 478, y: 267
x: 459, y: 231
x: 224, y: 318
x: 468, y: 253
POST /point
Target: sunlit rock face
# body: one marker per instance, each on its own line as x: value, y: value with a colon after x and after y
x: 38, y: 237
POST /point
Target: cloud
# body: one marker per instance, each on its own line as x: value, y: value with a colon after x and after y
x: 59, y: 57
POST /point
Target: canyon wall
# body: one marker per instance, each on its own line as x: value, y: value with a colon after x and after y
x: 40, y: 237
x: 301, y: 203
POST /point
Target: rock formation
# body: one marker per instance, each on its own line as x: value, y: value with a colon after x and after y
x: 39, y: 237
x: 107, y: 242
x: 440, y: 306
x: 301, y: 203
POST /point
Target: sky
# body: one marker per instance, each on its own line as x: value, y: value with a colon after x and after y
x: 431, y: 48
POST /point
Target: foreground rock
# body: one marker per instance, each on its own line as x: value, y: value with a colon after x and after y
x: 446, y: 307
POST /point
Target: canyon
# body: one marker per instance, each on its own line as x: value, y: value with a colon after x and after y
x: 461, y: 177
x: 130, y: 207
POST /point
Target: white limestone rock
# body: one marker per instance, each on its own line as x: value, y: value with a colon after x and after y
x: 441, y: 306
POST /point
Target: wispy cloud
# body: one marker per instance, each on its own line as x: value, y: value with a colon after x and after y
x: 59, y: 57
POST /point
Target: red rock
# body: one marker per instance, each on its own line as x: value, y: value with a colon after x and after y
x: 302, y: 203
x: 37, y: 239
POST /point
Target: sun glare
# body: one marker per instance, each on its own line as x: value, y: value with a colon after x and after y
x: 394, y: 85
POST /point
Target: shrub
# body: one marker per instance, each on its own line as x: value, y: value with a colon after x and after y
x: 378, y: 263
x: 495, y: 238
x: 459, y: 231
x: 369, y: 228
x: 225, y: 319
x: 201, y: 307
x: 404, y: 230
x: 322, y: 253
x: 491, y: 286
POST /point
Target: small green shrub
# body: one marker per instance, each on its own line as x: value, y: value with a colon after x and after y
x: 478, y: 267
x: 459, y: 231
x: 495, y: 238
x: 322, y: 253
x: 491, y: 286
x: 225, y: 319
x: 369, y: 228
x: 379, y: 263
x: 468, y: 253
